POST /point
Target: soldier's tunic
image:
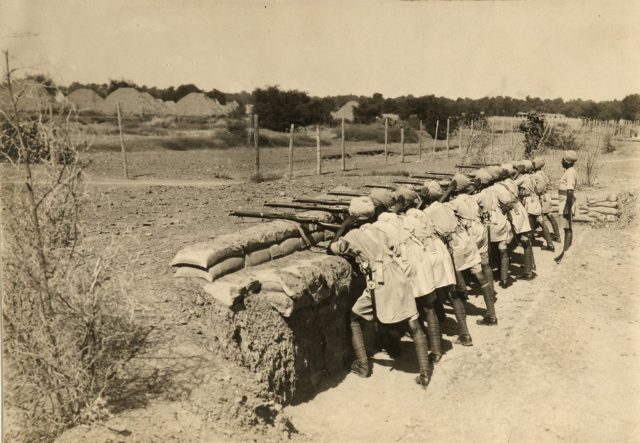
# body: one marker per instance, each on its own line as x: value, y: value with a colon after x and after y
x: 531, y: 199
x: 409, y: 246
x: 441, y: 262
x: 467, y: 208
x: 541, y: 182
x: 568, y: 182
x: 518, y: 211
x: 464, y: 250
x: 499, y: 226
x: 394, y: 301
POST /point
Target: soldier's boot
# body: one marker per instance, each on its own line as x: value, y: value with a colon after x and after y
x: 488, y: 275
x: 439, y: 308
x: 435, y: 336
x: 361, y: 365
x: 422, y: 352
x: 504, y: 268
x: 464, y: 337
x: 547, y: 237
x: 461, y: 285
x: 528, y: 261
x: 554, y: 226
x: 489, y: 318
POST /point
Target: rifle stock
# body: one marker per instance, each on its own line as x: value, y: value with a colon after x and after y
x: 283, y: 216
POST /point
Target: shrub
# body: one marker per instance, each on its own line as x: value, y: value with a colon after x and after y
x: 534, y: 130
x: 607, y: 143
x: 68, y: 326
x: 375, y: 133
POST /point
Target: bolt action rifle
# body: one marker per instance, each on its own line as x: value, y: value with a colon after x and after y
x: 322, y: 202
x: 284, y: 216
x: 307, y: 207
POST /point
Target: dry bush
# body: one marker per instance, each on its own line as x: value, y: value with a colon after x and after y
x: 68, y: 323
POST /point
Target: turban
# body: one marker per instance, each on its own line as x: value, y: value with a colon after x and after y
x: 462, y: 209
x: 528, y: 165
x: 508, y: 167
x: 434, y: 190
x: 462, y: 182
x: 484, y: 176
x: 409, y: 196
x: 538, y: 163
x: 495, y: 171
x: 362, y: 207
x: 382, y: 197
x: 511, y: 186
x: 570, y: 156
x: 485, y: 201
x: 504, y: 195
x: 442, y: 217
x: 539, y: 183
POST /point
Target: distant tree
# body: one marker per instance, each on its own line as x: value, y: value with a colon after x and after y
x: 217, y: 95
x: 117, y: 84
x: 278, y: 109
x: 533, y: 129
x: 631, y: 107
x: 183, y: 90
x: 46, y: 81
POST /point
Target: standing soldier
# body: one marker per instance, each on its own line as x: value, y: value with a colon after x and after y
x: 542, y: 182
x: 566, y: 203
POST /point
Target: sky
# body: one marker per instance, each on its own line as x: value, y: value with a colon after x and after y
x: 559, y: 48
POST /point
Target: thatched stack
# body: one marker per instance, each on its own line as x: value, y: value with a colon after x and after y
x: 86, y: 100
x: 132, y: 102
x: 31, y: 96
x: 592, y: 208
x: 198, y: 104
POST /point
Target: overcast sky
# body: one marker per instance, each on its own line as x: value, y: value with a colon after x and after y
x: 569, y: 49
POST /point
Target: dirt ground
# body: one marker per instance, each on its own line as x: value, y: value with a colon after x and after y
x: 562, y: 365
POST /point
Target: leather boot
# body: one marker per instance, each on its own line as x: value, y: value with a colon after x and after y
x: 504, y: 268
x: 488, y: 275
x: 568, y: 238
x: 528, y: 262
x: 422, y: 352
x: 464, y: 337
x: 554, y: 226
x: 489, y: 318
x: 435, y: 337
x: 361, y: 365
x: 439, y: 308
x: 547, y: 237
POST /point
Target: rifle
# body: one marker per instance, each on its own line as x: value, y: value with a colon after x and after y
x: 391, y: 188
x: 348, y: 193
x: 433, y: 174
x: 285, y: 216
x: 322, y: 202
x: 408, y: 182
x: 470, y: 166
x: 330, y: 209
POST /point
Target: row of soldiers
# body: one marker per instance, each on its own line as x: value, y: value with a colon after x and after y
x: 417, y: 248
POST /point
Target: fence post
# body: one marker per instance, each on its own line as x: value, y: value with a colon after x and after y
x: 420, y: 142
x: 291, y: 152
x: 460, y: 128
x: 318, y: 156
x: 435, y: 139
x: 401, y: 145
x: 344, y: 164
x: 256, y: 147
x: 386, y: 141
x: 491, y: 145
x: 124, y: 150
x: 447, y: 137
x: 511, y: 145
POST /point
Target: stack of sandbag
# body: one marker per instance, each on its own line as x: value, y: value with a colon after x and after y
x: 249, y: 247
x: 591, y: 208
x: 604, y: 207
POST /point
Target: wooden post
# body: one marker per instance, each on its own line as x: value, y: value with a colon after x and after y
x: 435, y: 139
x: 250, y: 130
x: 386, y: 140
x: 460, y: 127
x: 344, y: 164
x: 491, y: 145
x: 291, y: 152
x: 401, y: 145
x: 318, y: 157
x: 447, y: 137
x: 420, y: 142
x: 511, y: 146
x: 124, y: 150
x: 256, y: 147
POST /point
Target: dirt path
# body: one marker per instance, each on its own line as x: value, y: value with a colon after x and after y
x: 562, y: 365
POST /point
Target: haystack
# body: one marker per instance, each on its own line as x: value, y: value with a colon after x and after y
x: 86, y: 100
x: 198, y: 104
x: 31, y: 96
x: 132, y: 102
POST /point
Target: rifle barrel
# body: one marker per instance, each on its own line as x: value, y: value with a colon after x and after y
x: 392, y: 188
x: 282, y: 216
x: 348, y: 193
x: 322, y: 202
x: 308, y: 207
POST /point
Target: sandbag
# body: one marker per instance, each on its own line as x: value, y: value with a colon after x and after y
x: 216, y: 271
x: 597, y: 216
x: 582, y: 218
x: 292, y: 245
x: 317, y: 237
x: 258, y: 257
x: 232, y: 291
x: 604, y: 204
x: 266, y: 234
x: 604, y: 210
x: 611, y: 218
x: 206, y: 254
x: 279, y: 300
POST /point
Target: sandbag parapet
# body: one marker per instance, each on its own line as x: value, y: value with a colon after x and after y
x: 596, y: 207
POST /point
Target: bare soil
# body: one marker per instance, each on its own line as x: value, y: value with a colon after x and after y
x: 562, y: 365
